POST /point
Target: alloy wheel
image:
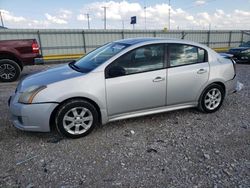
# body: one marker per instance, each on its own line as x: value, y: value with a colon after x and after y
x: 77, y: 120
x: 213, y: 99
x: 7, y: 71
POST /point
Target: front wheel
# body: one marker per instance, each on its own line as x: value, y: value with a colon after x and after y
x: 76, y: 118
x: 212, y: 98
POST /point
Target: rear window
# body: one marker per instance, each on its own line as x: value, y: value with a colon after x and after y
x: 182, y: 54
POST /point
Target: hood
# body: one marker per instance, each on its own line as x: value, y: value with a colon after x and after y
x: 239, y: 49
x: 47, y: 77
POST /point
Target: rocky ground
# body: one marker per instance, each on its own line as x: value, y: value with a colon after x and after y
x: 184, y: 148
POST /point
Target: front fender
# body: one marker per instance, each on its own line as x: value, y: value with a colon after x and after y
x: 91, y: 86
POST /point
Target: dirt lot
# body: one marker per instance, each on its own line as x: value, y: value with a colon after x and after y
x: 177, y: 149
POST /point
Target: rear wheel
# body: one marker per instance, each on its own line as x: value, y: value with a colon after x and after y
x: 76, y: 118
x: 9, y: 70
x: 212, y: 98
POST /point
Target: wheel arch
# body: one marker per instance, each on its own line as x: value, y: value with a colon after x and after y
x: 202, y: 90
x: 53, y: 114
x: 11, y: 56
x: 220, y: 84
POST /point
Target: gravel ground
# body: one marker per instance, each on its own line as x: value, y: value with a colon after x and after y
x: 184, y: 148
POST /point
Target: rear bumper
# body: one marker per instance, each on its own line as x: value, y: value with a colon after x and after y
x: 32, y: 59
x: 38, y: 61
x: 239, y: 87
x: 233, y: 86
x: 31, y: 117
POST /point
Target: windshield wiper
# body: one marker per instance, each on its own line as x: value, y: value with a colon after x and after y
x: 73, y: 66
x: 76, y: 68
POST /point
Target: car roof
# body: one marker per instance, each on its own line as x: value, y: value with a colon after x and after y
x: 135, y: 41
x: 132, y: 41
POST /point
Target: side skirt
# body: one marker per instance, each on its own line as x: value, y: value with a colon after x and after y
x: 151, y: 111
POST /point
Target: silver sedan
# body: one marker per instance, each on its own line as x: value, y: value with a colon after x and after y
x: 123, y: 79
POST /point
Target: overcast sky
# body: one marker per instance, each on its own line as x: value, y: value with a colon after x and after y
x: 185, y: 14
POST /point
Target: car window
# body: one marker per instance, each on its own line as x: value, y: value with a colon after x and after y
x: 146, y: 58
x: 182, y: 54
x: 201, y: 55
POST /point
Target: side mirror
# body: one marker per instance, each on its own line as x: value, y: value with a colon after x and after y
x: 116, y: 71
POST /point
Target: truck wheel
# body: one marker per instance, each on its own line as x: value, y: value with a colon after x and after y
x: 9, y: 70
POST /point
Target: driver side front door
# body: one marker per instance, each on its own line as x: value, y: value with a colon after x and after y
x: 143, y: 83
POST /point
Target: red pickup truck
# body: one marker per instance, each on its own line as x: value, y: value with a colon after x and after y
x: 14, y: 55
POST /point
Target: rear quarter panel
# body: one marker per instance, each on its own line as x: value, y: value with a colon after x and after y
x: 221, y: 70
x: 21, y: 49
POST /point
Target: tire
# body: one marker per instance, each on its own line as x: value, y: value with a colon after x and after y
x: 211, y: 99
x: 9, y: 70
x: 76, y: 118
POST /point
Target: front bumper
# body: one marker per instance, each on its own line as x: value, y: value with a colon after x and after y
x: 31, y: 117
x: 241, y: 58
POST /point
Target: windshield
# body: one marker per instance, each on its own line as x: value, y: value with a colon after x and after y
x: 98, y: 57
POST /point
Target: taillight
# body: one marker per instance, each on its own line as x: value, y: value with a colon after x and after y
x: 234, y: 64
x: 35, y: 47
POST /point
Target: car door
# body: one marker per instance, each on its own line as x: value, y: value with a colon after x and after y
x: 188, y: 71
x: 136, y: 80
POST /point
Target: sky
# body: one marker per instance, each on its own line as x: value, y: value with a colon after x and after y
x: 151, y: 14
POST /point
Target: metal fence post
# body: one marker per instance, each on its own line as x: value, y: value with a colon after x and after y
x: 183, y: 35
x: 122, y: 33
x: 40, y: 42
x: 84, y: 42
x: 230, y: 39
x: 154, y: 34
x: 208, y: 38
x: 241, y: 40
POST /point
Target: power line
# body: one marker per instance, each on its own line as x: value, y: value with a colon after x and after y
x: 198, y: 5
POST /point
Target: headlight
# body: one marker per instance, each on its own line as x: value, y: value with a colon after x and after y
x: 28, y: 95
x: 246, y: 51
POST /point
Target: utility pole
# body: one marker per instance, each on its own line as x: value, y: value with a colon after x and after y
x: 122, y: 24
x: 105, y: 17
x: 88, y: 20
x: 168, y: 14
x: 1, y: 18
x: 145, y: 18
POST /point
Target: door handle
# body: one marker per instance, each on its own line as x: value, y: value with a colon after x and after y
x: 201, y: 71
x: 158, y: 79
